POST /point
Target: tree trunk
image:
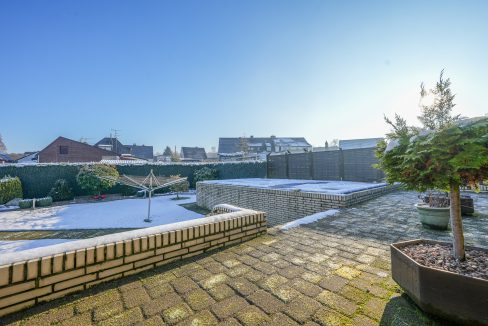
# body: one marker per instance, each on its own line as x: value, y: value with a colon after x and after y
x: 457, y: 222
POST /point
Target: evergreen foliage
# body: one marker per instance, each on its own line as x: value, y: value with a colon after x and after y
x: 89, y: 177
x: 61, y: 191
x: 10, y: 188
x: 205, y: 174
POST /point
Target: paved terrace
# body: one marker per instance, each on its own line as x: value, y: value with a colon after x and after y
x: 332, y: 272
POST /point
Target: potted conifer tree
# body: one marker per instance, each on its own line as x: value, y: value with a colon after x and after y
x: 446, y: 279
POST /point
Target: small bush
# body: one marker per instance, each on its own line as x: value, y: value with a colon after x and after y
x: 25, y: 203
x: 205, y: 174
x: 10, y: 188
x: 180, y: 187
x: 44, y: 202
x: 61, y: 191
x: 91, y: 177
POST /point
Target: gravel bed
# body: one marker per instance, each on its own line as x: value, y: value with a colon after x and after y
x: 441, y: 257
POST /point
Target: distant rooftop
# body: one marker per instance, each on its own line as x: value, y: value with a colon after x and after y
x: 359, y: 143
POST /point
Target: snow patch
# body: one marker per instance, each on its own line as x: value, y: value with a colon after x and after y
x: 309, y: 219
x: 126, y: 213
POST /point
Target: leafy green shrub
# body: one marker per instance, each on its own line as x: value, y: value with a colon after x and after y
x: 180, y: 187
x: 97, y: 178
x: 10, y: 188
x: 205, y: 174
x: 61, y: 191
x: 44, y: 202
x: 25, y: 203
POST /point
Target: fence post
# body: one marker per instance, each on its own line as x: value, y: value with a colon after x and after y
x: 312, y: 174
x: 287, y: 165
x: 341, y: 164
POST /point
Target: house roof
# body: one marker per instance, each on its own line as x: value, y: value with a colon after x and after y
x: 233, y: 144
x: 139, y: 151
x: 359, y: 143
x: 5, y: 157
x: 101, y: 150
x: 195, y: 153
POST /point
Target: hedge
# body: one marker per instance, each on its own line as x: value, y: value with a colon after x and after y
x: 10, y: 188
x: 37, y: 180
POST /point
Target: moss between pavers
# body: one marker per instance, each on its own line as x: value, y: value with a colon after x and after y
x: 52, y: 316
x: 96, y: 300
x: 108, y: 310
x: 302, y: 308
x: 337, y: 302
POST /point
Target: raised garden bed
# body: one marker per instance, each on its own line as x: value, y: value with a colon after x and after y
x: 440, y: 285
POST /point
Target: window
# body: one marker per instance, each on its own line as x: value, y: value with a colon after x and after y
x: 63, y: 149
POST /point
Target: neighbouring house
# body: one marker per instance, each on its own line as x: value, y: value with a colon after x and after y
x: 138, y: 151
x: 28, y: 158
x: 257, y: 147
x: 5, y: 158
x: 212, y: 156
x: 193, y: 154
x: 67, y: 150
x: 359, y: 143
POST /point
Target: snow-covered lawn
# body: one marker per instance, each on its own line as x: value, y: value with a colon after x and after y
x: 126, y: 213
x: 19, y: 245
x: 309, y: 219
x: 321, y: 186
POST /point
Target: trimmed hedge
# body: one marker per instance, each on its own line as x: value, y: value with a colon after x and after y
x: 10, y: 188
x: 26, y: 203
x: 37, y: 180
x: 44, y: 202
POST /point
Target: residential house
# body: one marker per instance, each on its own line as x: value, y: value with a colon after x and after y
x: 28, y: 158
x: 66, y: 150
x: 5, y: 158
x: 359, y: 143
x: 194, y: 154
x: 138, y: 151
x: 257, y: 147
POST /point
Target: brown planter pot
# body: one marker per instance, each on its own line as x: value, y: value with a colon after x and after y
x: 451, y: 296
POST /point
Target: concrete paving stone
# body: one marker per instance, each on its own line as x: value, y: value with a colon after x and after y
x: 337, y: 302
x: 200, y: 275
x: 135, y: 297
x: 221, y: 292
x: 291, y: 272
x: 153, y: 321
x: 203, y: 318
x: 238, y: 270
x: 52, y: 316
x: 272, y: 282
x: 184, y: 284
x: 312, y: 277
x: 198, y: 299
x: 159, y: 290
x: 285, y: 293
x: 228, y: 307
x: 243, y: 286
x: 107, y: 310
x: 214, y: 280
x: 229, y: 322
x: 128, y: 317
x: 374, y: 308
x: 83, y: 319
x: 280, y: 319
x: 158, y: 279
x: 306, y: 288
x: 361, y: 320
x: 266, y: 301
x: 157, y: 305
x: 176, y: 313
x: 96, y: 300
x: 302, y: 309
x: 354, y: 294
x: 347, y: 272
x: 327, y: 316
x: 252, y: 316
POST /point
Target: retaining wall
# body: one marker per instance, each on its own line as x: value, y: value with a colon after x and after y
x: 43, y: 274
x: 281, y: 206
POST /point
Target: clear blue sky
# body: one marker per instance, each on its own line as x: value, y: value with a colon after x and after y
x: 185, y: 73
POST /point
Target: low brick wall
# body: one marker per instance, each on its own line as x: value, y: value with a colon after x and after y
x: 42, y: 274
x: 281, y: 206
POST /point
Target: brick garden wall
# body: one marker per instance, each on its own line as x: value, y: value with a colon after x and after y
x: 281, y: 206
x: 44, y: 274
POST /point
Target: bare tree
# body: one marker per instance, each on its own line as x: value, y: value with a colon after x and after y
x: 3, y: 148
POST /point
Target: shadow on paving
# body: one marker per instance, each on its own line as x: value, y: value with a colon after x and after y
x: 335, y: 271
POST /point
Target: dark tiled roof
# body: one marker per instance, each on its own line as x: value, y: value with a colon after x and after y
x: 195, y: 153
x: 5, y: 157
x: 140, y: 151
x: 233, y: 145
x: 359, y: 143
